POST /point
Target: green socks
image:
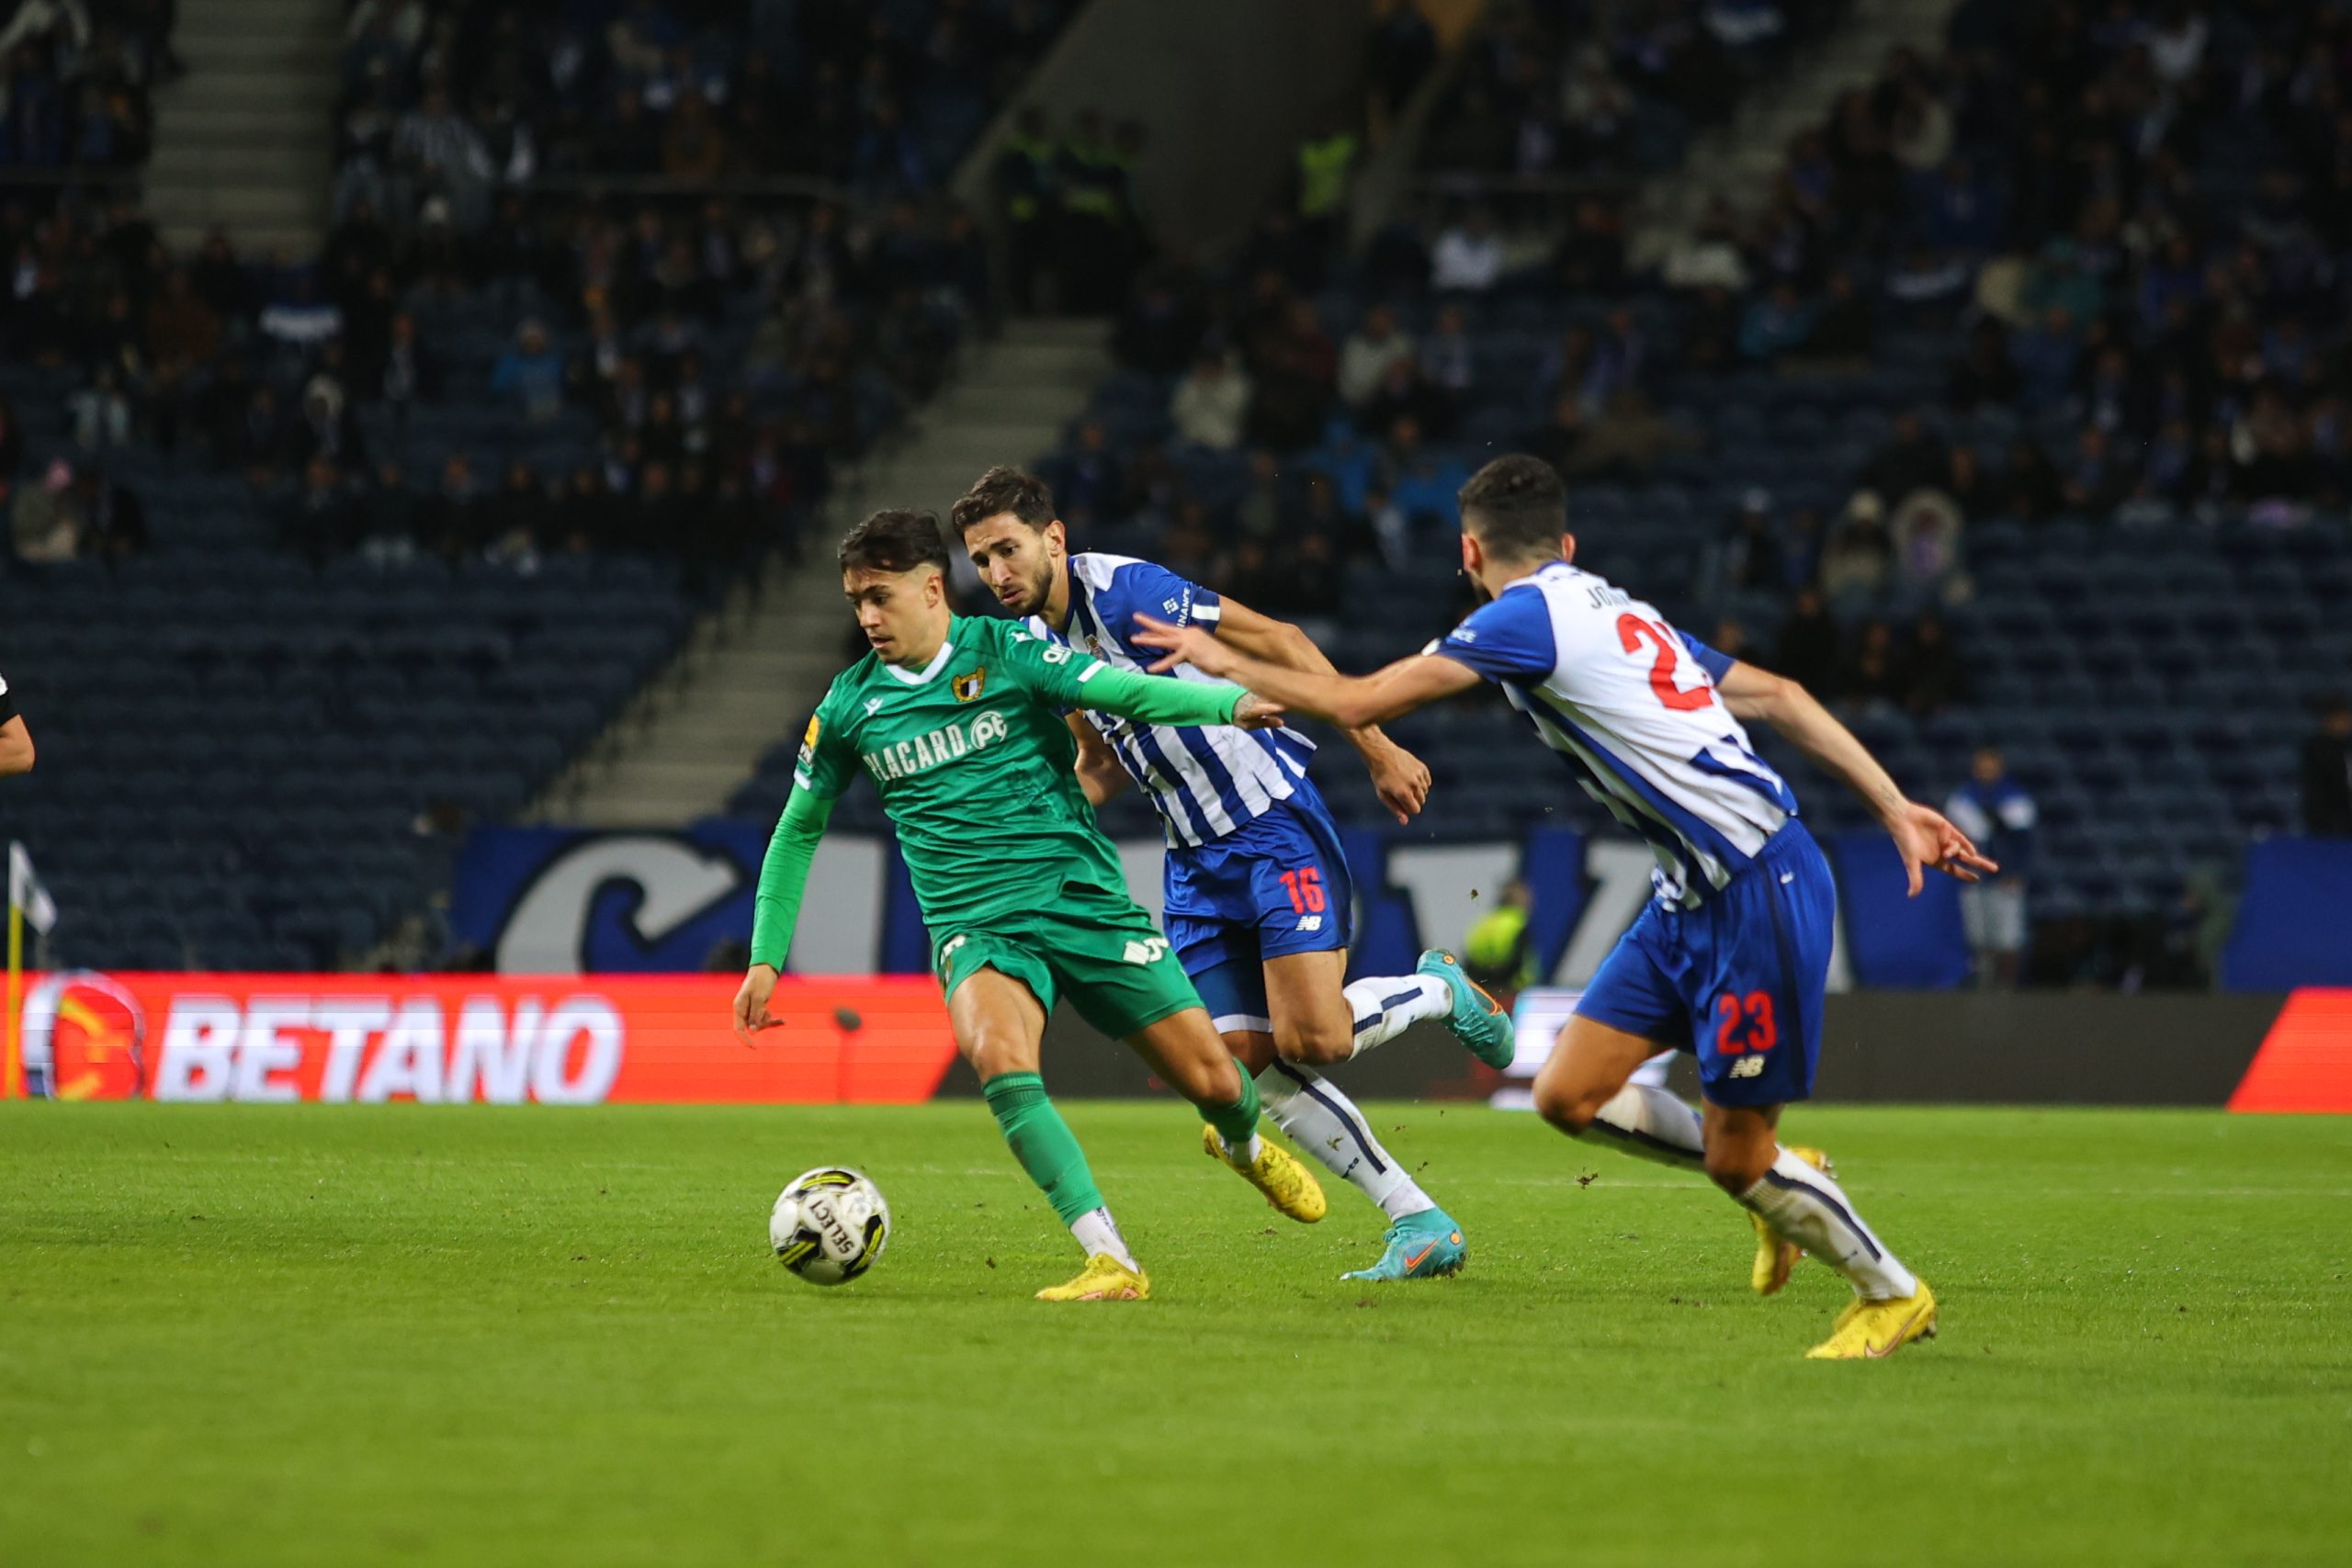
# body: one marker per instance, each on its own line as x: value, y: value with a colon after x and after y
x: 1044, y: 1145
x: 1236, y: 1123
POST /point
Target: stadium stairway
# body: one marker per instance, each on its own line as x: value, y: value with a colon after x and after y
x: 1739, y: 159
x: 244, y: 140
x: 753, y: 674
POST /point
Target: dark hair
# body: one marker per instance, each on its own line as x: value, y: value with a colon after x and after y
x: 894, y: 541
x: 1517, y: 506
x: 1001, y: 489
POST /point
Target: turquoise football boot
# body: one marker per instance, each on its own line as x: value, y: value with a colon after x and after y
x: 1478, y: 1022
x: 1426, y: 1246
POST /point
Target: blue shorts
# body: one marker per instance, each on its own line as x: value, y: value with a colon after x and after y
x: 1273, y: 886
x: 1738, y: 981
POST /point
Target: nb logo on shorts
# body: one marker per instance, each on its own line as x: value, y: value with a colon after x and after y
x: 1747, y: 1067
x: 1310, y: 922
x: 1150, y: 952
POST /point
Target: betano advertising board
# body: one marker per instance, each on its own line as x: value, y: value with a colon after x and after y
x: 549, y: 1040
x: 499, y: 1040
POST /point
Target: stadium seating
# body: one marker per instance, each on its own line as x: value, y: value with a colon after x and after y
x: 255, y: 757
x: 882, y: 97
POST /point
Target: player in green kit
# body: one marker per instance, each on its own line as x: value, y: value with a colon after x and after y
x: 960, y: 723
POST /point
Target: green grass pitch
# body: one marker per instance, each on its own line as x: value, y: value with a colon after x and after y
x: 309, y: 1336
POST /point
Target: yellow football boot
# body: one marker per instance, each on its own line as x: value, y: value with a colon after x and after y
x: 1872, y: 1331
x: 1288, y: 1184
x: 1775, y: 1254
x: 1105, y: 1278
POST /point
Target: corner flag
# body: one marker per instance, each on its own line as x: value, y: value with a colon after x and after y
x: 26, y: 893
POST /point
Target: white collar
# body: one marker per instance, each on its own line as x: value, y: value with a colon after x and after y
x: 938, y: 662
x: 1532, y: 577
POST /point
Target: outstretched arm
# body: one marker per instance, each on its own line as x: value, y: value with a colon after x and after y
x: 1350, y: 702
x: 1921, y: 834
x: 783, y: 877
x: 1401, y: 779
x: 1131, y: 694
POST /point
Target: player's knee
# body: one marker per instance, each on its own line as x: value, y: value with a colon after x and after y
x: 1566, y: 1105
x: 1314, y: 1043
x: 1735, y: 1166
x: 1254, y: 1051
x: 1212, y: 1082
x: 994, y: 1052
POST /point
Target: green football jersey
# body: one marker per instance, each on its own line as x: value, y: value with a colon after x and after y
x: 976, y: 769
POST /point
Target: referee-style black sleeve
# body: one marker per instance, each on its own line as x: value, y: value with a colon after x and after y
x: 7, y: 701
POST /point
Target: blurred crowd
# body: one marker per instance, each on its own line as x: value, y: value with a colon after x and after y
x: 1577, y: 87
x: 2132, y: 217
x: 478, y: 363
x: 704, y: 358
x: 74, y: 80
x: 448, y: 104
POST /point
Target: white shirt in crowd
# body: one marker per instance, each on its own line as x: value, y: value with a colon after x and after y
x: 1467, y: 260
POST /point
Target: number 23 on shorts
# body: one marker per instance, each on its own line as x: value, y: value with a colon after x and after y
x: 1755, y: 1010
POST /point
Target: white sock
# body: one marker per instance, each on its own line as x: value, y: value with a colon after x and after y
x: 1326, y: 1125
x: 1652, y: 1073
x: 1242, y: 1155
x: 1098, y: 1232
x: 1652, y: 1124
x: 1383, y: 1005
x: 1809, y: 1208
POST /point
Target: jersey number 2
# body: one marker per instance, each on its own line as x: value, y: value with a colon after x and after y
x: 1632, y: 632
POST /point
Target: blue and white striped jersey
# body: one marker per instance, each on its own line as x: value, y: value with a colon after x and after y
x: 1630, y: 705
x: 1205, y: 781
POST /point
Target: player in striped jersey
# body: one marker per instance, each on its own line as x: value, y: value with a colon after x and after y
x: 1258, y: 902
x: 1730, y: 958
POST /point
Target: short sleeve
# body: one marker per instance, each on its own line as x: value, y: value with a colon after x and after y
x: 1053, y: 671
x: 1142, y: 587
x: 1510, y: 639
x: 826, y: 764
x: 1717, y: 664
x: 8, y: 701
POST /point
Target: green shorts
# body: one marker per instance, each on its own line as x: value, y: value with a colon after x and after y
x: 1099, y: 948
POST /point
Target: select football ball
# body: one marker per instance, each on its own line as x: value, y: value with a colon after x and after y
x: 830, y: 1225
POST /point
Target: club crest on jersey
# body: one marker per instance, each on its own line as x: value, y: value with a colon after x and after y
x: 967, y: 687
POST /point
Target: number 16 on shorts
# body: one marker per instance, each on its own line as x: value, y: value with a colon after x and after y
x: 1305, y: 886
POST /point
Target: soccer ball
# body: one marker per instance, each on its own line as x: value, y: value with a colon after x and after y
x: 830, y: 1225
